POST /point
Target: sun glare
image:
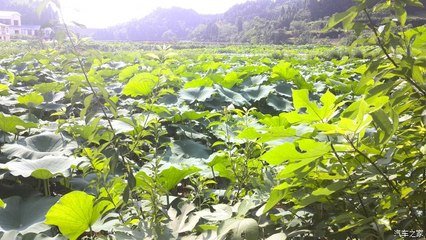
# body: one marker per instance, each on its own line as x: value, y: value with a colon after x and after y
x: 104, y: 13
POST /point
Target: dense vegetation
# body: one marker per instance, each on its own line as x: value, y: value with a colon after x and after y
x: 134, y: 141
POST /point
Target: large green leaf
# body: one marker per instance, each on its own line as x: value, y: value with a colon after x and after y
x: 52, y: 87
x: 257, y: 93
x: 185, y: 222
x: 128, y: 72
x: 197, y: 94
x: 141, y: 85
x: 73, y: 214
x: 330, y: 189
x: 313, y: 111
x: 346, y: 18
x: 31, y: 100
x: 239, y: 229
x: 277, y: 236
x: 284, y: 71
x: 13, y: 124
x: 383, y: 122
x: 309, y: 151
x: 170, y: 177
x: 25, y: 215
x: 42, y: 168
x: 38, y: 146
x: 190, y: 149
x: 199, y: 83
x: 231, y: 96
x: 231, y: 79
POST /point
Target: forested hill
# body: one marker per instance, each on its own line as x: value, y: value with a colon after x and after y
x: 255, y: 21
x: 265, y: 21
x: 163, y: 24
x: 28, y: 12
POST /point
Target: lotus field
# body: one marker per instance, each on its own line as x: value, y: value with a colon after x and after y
x: 214, y: 142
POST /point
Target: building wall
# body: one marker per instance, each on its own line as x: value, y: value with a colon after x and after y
x: 14, y: 27
x: 4, y: 33
x: 14, y: 21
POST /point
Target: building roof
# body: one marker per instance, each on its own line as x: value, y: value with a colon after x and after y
x: 8, y: 13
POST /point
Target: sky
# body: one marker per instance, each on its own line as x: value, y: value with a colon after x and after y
x: 104, y: 13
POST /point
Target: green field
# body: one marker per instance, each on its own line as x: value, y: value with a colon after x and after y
x: 195, y: 141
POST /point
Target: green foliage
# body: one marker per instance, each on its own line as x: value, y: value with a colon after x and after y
x: 31, y: 100
x: 24, y: 215
x: 42, y: 168
x: 13, y: 124
x: 3, y: 89
x: 140, y: 85
x: 73, y: 214
x: 221, y: 142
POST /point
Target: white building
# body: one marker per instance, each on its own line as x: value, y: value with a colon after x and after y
x: 11, y: 25
x: 4, y: 32
x: 13, y: 20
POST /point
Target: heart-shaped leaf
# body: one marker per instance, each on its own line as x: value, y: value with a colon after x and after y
x: 73, y: 214
x: 170, y: 177
x: 31, y: 100
x: 140, y: 85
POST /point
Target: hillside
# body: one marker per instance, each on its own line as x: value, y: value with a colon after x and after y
x: 259, y: 21
x: 163, y: 24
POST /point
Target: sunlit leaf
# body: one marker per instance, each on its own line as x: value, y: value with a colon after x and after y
x: 73, y: 214
x: 170, y: 177
x: 13, y: 124
x: 140, y: 85
x: 31, y: 100
x: 309, y: 151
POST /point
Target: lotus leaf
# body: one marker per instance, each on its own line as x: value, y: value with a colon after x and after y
x: 38, y: 146
x: 42, y: 168
x: 24, y: 215
x: 73, y: 214
x: 31, y: 99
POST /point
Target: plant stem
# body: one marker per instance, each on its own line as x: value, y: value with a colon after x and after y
x: 86, y: 77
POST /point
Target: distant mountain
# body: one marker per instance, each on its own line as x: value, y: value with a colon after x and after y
x: 163, y: 24
x: 255, y: 21
x: 252, y: 21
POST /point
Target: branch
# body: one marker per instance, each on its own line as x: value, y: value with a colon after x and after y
x: 381, y: 45
x: 388, y: 181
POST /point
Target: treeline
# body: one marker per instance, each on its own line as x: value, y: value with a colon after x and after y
x: 261, y: 21
x: 256, y: 21
x: 28, y: 11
